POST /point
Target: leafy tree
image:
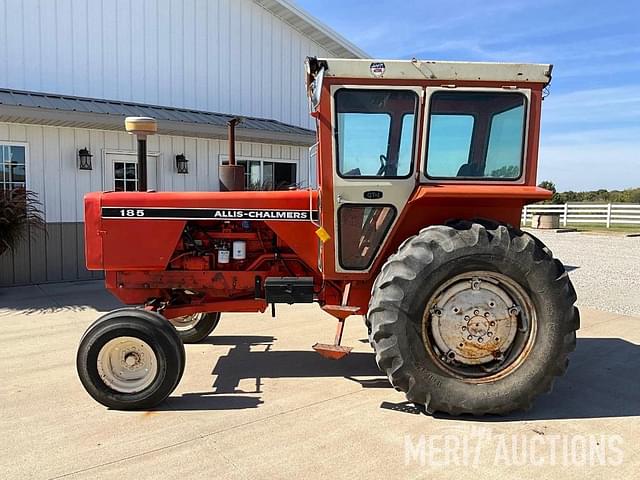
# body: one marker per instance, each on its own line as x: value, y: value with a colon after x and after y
x: 630, y: 195
x: 508, y: 171
x: 634, y: 195
x: 548, y: 184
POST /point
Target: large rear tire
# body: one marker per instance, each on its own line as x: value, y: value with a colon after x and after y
x: 130, y: 359
x: 473, y: 317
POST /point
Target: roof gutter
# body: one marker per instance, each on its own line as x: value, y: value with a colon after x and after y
x: 61, y: 118
x: 315, y: 24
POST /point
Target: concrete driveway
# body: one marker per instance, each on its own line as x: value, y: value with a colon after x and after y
x: 256, y: 402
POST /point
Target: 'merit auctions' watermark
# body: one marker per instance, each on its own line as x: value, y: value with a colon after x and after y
x: 480, y: 446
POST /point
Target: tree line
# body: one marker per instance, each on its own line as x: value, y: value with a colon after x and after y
x: 629, y: 195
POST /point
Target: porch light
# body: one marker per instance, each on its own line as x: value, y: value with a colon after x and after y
x: 84, y: 159
x: 182, y: 164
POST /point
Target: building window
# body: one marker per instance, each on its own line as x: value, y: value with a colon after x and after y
x: 268, y: 174
x: 125, y: 176
x: 12, y: 167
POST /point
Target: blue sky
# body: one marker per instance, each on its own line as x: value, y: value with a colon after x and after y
x: 591, y: 120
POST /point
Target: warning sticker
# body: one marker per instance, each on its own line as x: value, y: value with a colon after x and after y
x: 377, y: 69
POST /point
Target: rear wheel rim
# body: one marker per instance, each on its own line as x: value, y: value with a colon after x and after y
x: 127, y: 364
x: 186, y: 322
x: 479, y: 326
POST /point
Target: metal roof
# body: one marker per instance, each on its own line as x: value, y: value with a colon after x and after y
x: 312, y: 28
x: 65, y: 110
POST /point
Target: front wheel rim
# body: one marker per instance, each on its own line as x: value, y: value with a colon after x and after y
x: 127, y: 364
x: 479, y: 326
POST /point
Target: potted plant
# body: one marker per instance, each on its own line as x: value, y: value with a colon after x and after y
x: 20, y: 216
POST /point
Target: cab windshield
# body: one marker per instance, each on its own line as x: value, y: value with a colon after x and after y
x: 375, y: 132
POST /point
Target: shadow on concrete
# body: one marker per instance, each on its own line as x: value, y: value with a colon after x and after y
x: 570, y: 268
x: 243, y: 362
x: 208, y: 401
x: 251, y: 357
x: 57, y: 297
x: 404, y: 407
x: 601, y: 380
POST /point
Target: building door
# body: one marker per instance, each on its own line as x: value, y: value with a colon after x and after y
x: 121, y: 172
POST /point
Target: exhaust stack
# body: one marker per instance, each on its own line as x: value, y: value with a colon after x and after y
x: 231, y: 175
x: 141, y: 127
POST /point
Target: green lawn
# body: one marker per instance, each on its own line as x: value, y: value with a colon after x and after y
x: 599, y: 228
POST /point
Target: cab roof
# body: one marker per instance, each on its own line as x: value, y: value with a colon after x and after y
x: 438, y: 70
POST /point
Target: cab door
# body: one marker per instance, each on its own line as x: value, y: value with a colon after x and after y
x: 374, y: 165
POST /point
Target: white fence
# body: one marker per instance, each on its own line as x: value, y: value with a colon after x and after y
x: 597, y: 214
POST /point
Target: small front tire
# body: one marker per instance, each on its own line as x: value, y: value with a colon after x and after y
x: 130, y: 359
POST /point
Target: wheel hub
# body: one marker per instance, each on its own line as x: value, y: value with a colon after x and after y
x: 186, y: 322
x: 473, y: 321
x: 127, y: 364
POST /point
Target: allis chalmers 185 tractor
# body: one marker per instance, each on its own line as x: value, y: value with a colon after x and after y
x: 423, y: 170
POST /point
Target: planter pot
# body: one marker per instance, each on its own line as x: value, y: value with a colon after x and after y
x: 545, y: 221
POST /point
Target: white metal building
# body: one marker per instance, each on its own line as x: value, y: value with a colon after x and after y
x: 71, y: 70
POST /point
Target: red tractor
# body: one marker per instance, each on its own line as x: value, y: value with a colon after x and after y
x: 423, y: 170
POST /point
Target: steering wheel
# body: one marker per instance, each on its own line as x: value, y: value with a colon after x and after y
x: 383, y: 166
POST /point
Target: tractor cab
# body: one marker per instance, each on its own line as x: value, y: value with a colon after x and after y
x: 397, y: 138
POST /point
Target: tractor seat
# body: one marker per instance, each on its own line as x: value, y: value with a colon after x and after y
x: 470, y: 170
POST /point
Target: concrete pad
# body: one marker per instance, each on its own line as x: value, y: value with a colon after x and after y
x: 257, y: 402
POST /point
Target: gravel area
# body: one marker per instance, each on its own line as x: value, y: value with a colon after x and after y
x: 605, y: 269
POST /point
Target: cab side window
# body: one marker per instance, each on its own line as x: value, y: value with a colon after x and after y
x: 476, y: 135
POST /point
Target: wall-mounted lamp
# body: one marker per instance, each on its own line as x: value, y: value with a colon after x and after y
x: 182, y: 164
x: 84, y: 159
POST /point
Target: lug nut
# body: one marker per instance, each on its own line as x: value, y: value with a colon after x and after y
x: 469, y: 337
x: 466, y: 317
x: 493, y: 324
x: 476, y: 312
x: 489, y: 334
x: 480, y: 339
x: 486, y: 314
x: 464, y: 328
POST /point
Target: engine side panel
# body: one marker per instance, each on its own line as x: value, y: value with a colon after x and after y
x: 211, y: 250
